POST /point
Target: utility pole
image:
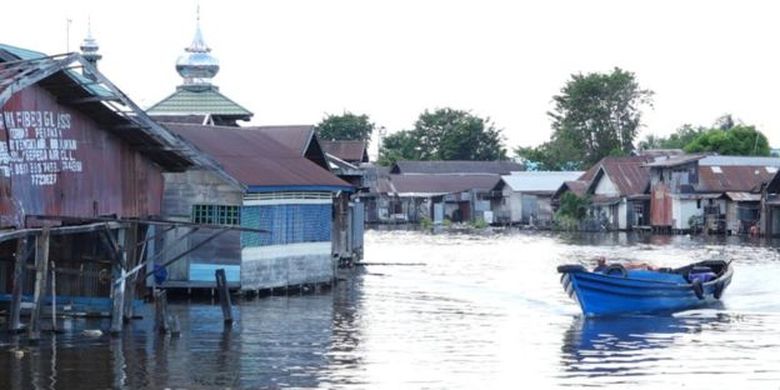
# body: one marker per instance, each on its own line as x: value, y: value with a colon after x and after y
x: 68, y: 21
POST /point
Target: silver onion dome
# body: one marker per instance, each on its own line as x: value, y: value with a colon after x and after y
x: 197, y: 66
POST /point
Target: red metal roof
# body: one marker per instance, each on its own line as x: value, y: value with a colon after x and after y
x: 349, y: 151
x: 254, y: 158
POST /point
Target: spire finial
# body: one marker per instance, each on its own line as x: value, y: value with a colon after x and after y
x: 89, y: 47
x: 196, y: 65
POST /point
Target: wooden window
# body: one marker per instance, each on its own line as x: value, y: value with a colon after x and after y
x: 216, y: 214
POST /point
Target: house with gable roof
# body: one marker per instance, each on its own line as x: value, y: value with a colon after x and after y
x: 710, y: 192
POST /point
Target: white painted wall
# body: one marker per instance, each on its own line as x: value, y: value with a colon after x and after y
x: 606, y: 187
x: 682, y: 211
x: 623, y: 214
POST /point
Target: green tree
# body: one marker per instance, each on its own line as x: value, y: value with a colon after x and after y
x: 681, y: 137
x: 596, y: 115
x: 445, y: 134
x: 402, y: 145
x: 739, y: 140
x: 345, y: 127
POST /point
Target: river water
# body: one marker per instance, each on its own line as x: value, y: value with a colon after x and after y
x: 442, y: 310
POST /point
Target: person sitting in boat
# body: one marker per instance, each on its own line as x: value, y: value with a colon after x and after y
x: 601, y: 265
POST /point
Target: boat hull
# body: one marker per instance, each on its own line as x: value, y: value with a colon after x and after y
x: 604, y: 295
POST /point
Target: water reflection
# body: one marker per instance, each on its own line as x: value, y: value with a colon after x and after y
x: 629, y: 346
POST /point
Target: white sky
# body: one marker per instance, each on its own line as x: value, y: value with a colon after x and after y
x: 290, y: 62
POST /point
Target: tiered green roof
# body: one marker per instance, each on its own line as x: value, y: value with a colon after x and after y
x: 207, y: 101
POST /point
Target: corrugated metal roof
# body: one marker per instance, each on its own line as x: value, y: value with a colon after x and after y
x: 350, y: 151
x: 302, y: 138
x: 255, y: 159
x: 296, y: 137
x: 13, y: 53
x: 539, y: 181
x: 442, y: 184
x: 203, y: 102
x: 21, y: 53
x: 743, y: 196
x: 732, y: 178
x: 740, y: 161
x: 434, y: 167
x: 629, y: 174
x: 578, y: 187
x: 675, y: 161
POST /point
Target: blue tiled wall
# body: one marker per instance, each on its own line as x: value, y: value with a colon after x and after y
x: 288, y: 224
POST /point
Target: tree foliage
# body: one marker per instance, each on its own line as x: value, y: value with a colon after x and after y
x: 401, y: 145
x: 596, y: 115
x: 345, y: 127
x: 727, y: 136
x: 739, y: 140
x: 445, y: 134
x: 681, y: 137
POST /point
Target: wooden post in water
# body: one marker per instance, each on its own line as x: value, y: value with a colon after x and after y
x: 224, y: 296
x: 53, y: 297
x: 161, y: 311
x: 20, y: 263
x: 118, y: 286
x: 41, y: 265
x: 131, y: 260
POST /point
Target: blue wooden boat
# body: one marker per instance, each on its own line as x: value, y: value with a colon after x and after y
x: 615, y: 290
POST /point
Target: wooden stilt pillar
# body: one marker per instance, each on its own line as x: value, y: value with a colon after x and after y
x: 22, y: 252
x: 131, y: 260
x: 161, y: 311
x: 41, y: 272
x: 53, y: 297
x: 224, y: 296
x: 118, y: 287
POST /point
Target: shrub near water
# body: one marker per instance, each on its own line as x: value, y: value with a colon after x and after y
x: 572, y: 211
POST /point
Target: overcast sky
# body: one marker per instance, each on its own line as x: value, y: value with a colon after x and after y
x: 290, y: 62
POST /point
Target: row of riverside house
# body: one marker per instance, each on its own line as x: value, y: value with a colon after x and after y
x: 676, y: 192
x: 107, y: 199
x: 658, y: 190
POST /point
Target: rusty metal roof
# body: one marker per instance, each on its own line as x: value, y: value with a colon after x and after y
x: 302, y: 138
x: 296, y: 137
x: 102, y: 101
x: 733, y: 178
x: 349, y: 151
x: 577, y: 187
x: 434, y: 167
x: 743, y: 196
x: 441, y: 184
x: 629, y: 174
x: 256, y: 160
